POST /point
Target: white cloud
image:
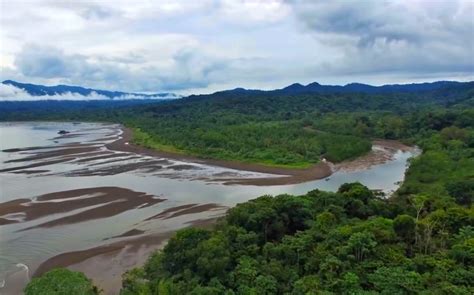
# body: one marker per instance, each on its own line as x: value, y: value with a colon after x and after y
x: 247, y: 12
x: 12, y: 93
x: 201, y: 46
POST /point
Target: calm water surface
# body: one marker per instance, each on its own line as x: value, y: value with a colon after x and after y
x: 33, y: 246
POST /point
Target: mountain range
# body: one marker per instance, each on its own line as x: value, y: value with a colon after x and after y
x: 61, y: 90
x: 293, y: 89
x: 315, y: 87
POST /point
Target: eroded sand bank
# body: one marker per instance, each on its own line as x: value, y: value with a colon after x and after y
x: 106, y: 263
x: 382, y: 151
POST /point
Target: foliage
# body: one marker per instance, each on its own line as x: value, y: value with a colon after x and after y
x: 420, y: 241
x: 317, y: 244
x: 61, y: 282
x: 269, y: 128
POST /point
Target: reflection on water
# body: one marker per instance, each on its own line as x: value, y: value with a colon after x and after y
x: 79, y: 160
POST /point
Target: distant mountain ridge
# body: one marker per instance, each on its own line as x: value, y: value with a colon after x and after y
x: 41, y: 90
x: 293, y: 89
x: 315, y: 87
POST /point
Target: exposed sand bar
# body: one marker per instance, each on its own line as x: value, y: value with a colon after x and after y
x: 26, y: 150
x: 46, y: 163
x: 108, y: 201
x: 105, y: 264
x: 130, y: 233
x: 33, y: 148
x: 98, y: 159
x: 185, y: 210
x: 113, y: 252
x: 56, y: 153
x: 288, y: 175
x: 382, y: 152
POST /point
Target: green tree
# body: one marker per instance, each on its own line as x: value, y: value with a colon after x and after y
x: 404, y: 225
x: 266, y: 285
x: 361, y: 245
x: 350, y: 283
x: 453, y: 133
x: 182, y: 250
x: 463, y: 249
x: 462, y: 191
x: 61, y: 281
x: 308, y: 285
x: 396, y: 280
x: 134, y: 282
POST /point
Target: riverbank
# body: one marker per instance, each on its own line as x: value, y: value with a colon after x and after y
x: 103, y: 212
x: 107, y: 263
x: 382, y: 151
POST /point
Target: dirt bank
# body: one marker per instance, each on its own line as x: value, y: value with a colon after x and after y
x: 289, y: 176
x: 383, y: 151
x: 105, y: 264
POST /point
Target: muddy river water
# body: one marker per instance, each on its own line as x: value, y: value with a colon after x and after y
x: 68, y: 200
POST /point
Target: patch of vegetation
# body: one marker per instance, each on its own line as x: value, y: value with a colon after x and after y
x: 420, y: 241
x: 272, y: 129
x: 61, y: 282
x: 271, y: 143
x: 348, y: 242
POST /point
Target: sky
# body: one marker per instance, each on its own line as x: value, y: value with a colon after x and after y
x: 204, y: 46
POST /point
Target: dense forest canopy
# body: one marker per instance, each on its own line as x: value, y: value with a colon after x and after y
x: 419, y: 241
x: 268, y: 128
x: 348, y: 242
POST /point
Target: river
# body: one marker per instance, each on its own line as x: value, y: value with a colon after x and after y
x: 67, y: 200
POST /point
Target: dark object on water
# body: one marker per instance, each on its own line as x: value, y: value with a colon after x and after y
x: 327, y: 179
x: 62, y: 132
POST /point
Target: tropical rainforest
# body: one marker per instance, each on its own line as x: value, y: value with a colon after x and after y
x: 418, y: 241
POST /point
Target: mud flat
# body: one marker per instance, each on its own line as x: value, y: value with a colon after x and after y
x: 105, y: 202
x: 185, y: 210
x: 288, y: 175
x: 129, y: 157
x: 105, y: 264
x: 382, y: 152
x: 101, y: 206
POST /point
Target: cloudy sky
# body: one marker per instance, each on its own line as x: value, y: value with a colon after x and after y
x: 203, y: 46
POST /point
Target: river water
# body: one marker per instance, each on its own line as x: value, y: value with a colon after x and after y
x: 36, y: 161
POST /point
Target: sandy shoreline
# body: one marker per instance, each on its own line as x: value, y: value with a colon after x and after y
x: 289, y: 176
x: 105, y: 264
x: 386, y: 150
x: 161, y: 162
x: 107, y: 259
